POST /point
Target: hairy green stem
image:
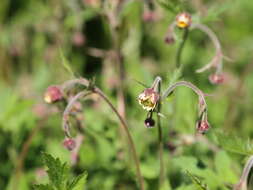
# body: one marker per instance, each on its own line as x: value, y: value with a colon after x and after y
x: 181, y: 46
x: 160, y: 139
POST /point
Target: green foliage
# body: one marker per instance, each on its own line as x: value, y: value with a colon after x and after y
x: 59, y: 176
x: 39, y: 47
x: 235, y: 144
x: 199, y: 185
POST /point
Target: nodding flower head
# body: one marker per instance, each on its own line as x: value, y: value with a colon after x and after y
x: 216, y: 78
x: 148, y: 99
x: 69, y: 143
x: 202, y: 126
x: 183, y: 20
x: 53, y: 94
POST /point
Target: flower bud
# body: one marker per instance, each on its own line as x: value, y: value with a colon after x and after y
x: 169, y: 39
x: 53, y: 94
x: 78, y: 39
x: 149, y: 122
x: 149, y: 16
x: 148, y: 99
x: 183, y: 20
x: 216, y: 78
x: 69, y: 143
x: 202, y: 126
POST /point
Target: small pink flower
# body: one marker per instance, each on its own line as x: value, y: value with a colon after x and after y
x: 216, y: 78
x: 69, y: 143
x: 53, y: 94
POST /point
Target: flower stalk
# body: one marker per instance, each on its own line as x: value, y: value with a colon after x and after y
x: 92, y: 89
x: 242, y: 185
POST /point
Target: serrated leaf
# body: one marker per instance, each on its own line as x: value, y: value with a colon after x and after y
x: 198, y: 183
x: 235, y: 144
x: 78, y: 182
x: 57, y: 171
x: 43, y: 187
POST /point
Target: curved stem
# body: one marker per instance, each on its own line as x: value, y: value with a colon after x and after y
x: 86, y: 83
x: 187, y: 84
x: 125, y: 127
x: 160, y: 138
x: 217, y: 59
x: 202, y: 101
x: 67, y: 111
x: 242, y: 185
x: 210, y: 34
x: 180, y: 49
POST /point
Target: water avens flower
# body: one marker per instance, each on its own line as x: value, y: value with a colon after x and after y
x: 53, y: 94
x: 183, y: 20
x: 148, y: 99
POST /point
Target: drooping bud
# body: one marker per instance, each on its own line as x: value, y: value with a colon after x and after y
x: 202, y: 126
x: 149, y: 122
x: 183, y: 20
x: 169, y: 39
x: 148, y: 99
x: 69, y: 143
x: 53, y: 94
x: 216, y: 78
x: 149, y: 16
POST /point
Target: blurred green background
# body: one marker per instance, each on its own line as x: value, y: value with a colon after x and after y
x: 34, y: 34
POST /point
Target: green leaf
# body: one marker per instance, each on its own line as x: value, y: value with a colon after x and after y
x: 171, y: 6
x: 43, y: 187
x: 234, y: 144
x: 57, y: 171
x: 78, y: 182
x: 198, y: 183
x: 65, y: 63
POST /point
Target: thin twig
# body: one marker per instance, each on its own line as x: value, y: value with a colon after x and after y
x: 24, y: 151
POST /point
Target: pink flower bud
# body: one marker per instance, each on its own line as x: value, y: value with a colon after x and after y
x: 78, y: 39
x: 149, y: 16
x: 69, y: 143
x: 216, y: 78
x: 169, y: 39
x: 202, y: 126
x: 53, y: 94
